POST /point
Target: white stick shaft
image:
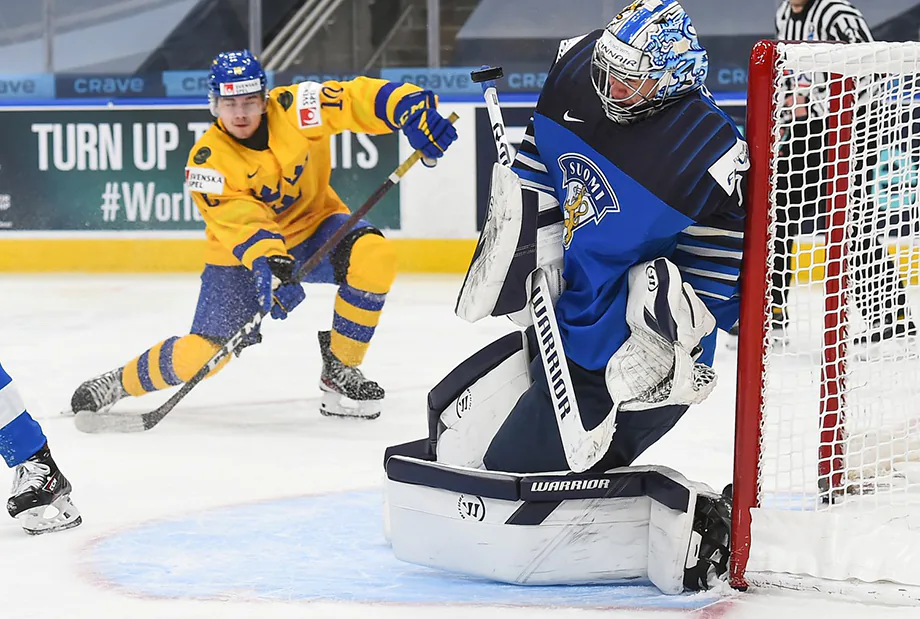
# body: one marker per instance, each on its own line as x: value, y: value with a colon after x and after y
x: 498, y: 126
x: 583, y: 448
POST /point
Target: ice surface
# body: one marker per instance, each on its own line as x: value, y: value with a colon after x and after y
x: 245, y: 502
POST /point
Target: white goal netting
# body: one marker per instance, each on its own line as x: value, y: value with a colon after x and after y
x: 838, y: 456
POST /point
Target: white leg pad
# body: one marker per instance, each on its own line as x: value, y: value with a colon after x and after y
x: 544, y: 529
x: 475, y: 416
x: 671, y: 545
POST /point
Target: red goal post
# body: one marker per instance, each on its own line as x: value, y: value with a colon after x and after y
x: 826, y: 484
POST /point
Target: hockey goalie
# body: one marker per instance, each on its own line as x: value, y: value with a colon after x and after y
x: 615, y: 240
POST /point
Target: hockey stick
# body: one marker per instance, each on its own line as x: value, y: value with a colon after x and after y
x: 90, y: 422
x: 583, y: 448
x: 486, y: 76
x: 479, y: 291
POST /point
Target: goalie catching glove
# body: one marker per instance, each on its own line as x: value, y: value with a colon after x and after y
x: 656, y: 365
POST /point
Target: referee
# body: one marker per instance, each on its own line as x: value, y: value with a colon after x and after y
x: 879, y: 293
x: 821, y: 20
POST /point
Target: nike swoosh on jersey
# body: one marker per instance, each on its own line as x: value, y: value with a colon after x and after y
x: 253, y: 174
x: 567, y: 116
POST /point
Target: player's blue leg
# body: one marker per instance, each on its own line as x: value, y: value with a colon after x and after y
x: 226, y: 300
x: 20, y: 436
x: 363, y: 266
x: 40, y: 498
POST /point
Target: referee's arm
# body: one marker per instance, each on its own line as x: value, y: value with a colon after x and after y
x: 849, y: 26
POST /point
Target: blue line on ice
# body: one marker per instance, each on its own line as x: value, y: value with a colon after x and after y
x: 323, y: 547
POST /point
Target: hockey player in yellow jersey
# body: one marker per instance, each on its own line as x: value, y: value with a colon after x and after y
x: 260, y: 177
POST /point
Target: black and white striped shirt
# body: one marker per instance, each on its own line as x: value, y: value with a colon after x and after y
x: 822, y: 20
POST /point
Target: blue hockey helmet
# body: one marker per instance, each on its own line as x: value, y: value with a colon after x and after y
x: 234, y: 74
x: 650, y: 41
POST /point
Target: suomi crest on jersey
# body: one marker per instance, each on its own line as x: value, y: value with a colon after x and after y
x: 588, y: 194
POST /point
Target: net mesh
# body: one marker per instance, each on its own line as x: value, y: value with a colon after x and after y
x: 841, y: 409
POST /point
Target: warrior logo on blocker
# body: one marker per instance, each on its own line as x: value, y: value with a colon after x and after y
x: 588, y: 195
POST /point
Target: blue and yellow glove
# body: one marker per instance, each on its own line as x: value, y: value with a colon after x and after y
x: 280, y: 300
x: 424, y: 127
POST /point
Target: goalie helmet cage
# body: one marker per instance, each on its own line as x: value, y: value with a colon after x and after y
x: 826, y: 484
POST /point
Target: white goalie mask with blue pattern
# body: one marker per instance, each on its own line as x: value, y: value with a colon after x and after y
x: 647, y: 57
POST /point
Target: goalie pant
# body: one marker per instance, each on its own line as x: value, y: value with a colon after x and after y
x: 528, y: 440
x: 20, y: 435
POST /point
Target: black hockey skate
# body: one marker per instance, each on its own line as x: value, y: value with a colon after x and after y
x: 779, y: 323
x: 40, y: 487
x: 712, y: 523
x: 339, y: 380
x: 779, y: 326
x: 900, y: 327
x: 895, y: 337
x: 98, y: 394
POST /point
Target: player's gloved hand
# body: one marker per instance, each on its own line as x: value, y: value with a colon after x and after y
x: 423, y: 126
x: 276, y: 290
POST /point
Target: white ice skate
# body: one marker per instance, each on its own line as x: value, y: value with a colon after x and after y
x: 346, y: 392
x: 40, y: 498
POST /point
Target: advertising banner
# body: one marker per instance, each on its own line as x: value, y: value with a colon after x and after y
x: 122, y: 169
x: 37, y: 86
x: 108, y: 86
x: 518, y: 78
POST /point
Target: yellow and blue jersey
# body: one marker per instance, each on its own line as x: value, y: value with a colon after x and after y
x: 264, y: 202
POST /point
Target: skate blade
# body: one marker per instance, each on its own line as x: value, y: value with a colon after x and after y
x: 35, y: 521
x: 777, y: 339
x: 893, y: 349
x: 100, y: 423
x: 69, y: 412
x: 780, y: 340
x: 331, y: 406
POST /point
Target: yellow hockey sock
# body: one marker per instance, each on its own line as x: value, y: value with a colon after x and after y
x: 371, y: 271
x: 169, y: 363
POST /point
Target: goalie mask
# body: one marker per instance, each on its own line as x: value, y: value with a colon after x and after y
x: 647, y: 57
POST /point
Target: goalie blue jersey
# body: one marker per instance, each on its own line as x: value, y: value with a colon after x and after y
x: 666, y: 186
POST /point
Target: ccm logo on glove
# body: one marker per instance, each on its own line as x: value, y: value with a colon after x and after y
x: 423, y: 126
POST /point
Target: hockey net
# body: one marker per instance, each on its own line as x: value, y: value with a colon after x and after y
x: 827, y: 455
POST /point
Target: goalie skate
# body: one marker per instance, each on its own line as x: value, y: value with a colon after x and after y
x: 40, y: 498
x: 891, y: 339
x: 98, y: 394
x: 346, y: 392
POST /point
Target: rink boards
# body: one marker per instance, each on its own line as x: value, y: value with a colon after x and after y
x: 100, y: 189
